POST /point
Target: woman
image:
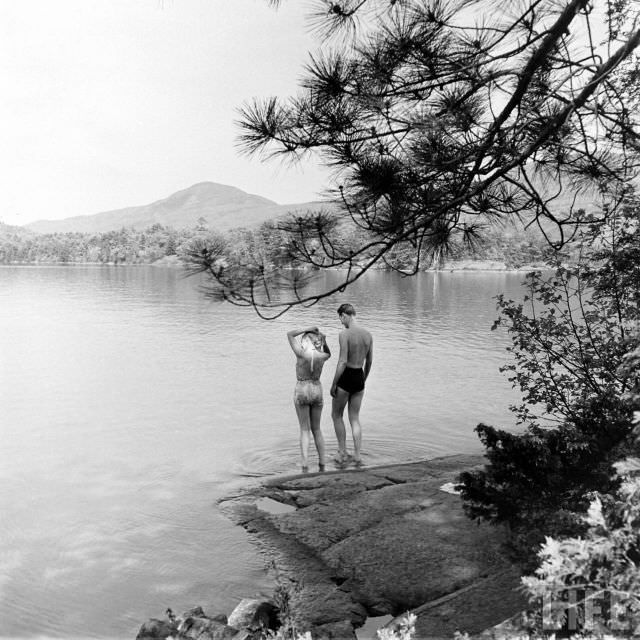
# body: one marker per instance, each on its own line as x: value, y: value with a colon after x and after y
x: 311, y: 354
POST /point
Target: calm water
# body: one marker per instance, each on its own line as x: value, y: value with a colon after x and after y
x: 129, y: 404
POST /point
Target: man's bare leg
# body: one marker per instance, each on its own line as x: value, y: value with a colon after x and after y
x: 304, y: 418
x: 316, y: 413
x: 337, y: 411
x: 355, y: 402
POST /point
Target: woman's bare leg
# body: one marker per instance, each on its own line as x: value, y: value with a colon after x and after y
x: 316, y: 413
x: 304, y: 418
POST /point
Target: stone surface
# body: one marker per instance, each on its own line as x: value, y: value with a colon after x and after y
x: 474, y: 608
x: 314, y: 598
x: 155, y: 629
x: 335, y: 631
x: 382, y: 540
x: 509, y: 629
x: 254, y: 614
x: 204, y: 628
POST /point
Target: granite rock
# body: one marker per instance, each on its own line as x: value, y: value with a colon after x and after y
x: 254, y: 615
x: 155, y: 629
x: 382, y: 541
x: 196, y: 625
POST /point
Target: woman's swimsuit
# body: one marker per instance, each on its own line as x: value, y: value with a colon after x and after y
x: 308, y: 392
x: 351, y: 380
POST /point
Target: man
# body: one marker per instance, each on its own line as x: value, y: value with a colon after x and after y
x: 354, y: 365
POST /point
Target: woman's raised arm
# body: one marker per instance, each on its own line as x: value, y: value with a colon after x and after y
x: 294, y: 333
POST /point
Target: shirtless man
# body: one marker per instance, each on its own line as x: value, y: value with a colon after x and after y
x: 354, y: 365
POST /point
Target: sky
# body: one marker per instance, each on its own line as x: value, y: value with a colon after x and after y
x: 115, y: 103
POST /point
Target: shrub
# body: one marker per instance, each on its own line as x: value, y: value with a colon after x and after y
x: 569, y: 337
x: 591, y: 584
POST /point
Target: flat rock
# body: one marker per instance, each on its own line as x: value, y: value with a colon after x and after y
x: 314, y: 597
x: 382, y: 541
x: 474, y: 608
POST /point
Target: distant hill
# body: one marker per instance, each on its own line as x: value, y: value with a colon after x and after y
x: 223, y: 207
x: 11, y: 230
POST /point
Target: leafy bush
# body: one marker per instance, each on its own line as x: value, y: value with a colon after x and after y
x: 569, y: 339
x: 592, y: 583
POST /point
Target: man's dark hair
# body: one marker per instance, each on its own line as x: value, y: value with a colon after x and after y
x: 346, y: 308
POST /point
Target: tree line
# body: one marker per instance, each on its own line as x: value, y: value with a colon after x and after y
x: 513, y: 245
x: 126, y: 246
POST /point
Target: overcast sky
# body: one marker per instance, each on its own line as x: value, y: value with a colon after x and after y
x: 112, y: 103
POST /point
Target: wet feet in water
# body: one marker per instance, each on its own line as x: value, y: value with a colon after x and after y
x: 358, y: 464
x: 343, y: 460
x: 305, y: 469
x: 340, y: 460
x: 320, y: 468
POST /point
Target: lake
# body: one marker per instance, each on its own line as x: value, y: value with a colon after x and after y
x: 130, y: 404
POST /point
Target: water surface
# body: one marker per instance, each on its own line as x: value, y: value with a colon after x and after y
x: 130, y: 404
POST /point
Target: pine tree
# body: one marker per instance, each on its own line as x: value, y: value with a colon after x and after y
x: 440, y: 117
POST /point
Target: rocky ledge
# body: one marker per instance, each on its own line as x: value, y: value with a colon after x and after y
x: 346, y: 545
x: 252, y: 619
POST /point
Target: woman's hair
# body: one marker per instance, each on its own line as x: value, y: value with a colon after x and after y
x: 311, y: 336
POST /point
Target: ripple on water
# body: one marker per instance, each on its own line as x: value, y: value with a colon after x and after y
x: 115, y: 424
x: 376, y: 451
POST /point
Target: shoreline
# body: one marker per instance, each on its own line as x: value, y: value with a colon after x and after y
x: 479, y: 266
x: 348, y: 545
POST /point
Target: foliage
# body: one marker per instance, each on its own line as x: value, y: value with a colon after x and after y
x: 513, y: 246
x: 588, y: 587
x: 126, y: 246
x: 592, y: 583
x: 403, y: 629
x: 131, y: 246
x: 436, y: 126
x: 569, y: 339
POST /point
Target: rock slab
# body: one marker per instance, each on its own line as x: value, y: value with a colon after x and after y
x: 381, y: 541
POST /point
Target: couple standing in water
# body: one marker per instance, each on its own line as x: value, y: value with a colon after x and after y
x: 347, y: 388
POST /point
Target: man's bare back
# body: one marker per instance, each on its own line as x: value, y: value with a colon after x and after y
x: 358, y: 345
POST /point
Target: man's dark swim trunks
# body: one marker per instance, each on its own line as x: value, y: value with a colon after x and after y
x: 351, y: 380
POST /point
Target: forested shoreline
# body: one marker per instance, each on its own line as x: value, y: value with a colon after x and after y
x: 512, y: 246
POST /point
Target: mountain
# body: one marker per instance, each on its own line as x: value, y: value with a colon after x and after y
x: 222, y: 206
x: 10, y: 230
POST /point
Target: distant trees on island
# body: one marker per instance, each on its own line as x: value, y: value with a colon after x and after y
x: 514, y: 246
x: 126, y: 246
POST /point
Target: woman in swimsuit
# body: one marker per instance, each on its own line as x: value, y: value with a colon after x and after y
x: 311, y: 354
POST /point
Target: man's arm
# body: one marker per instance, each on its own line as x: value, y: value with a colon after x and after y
x: 368, y: 360
x: 342, y: 362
